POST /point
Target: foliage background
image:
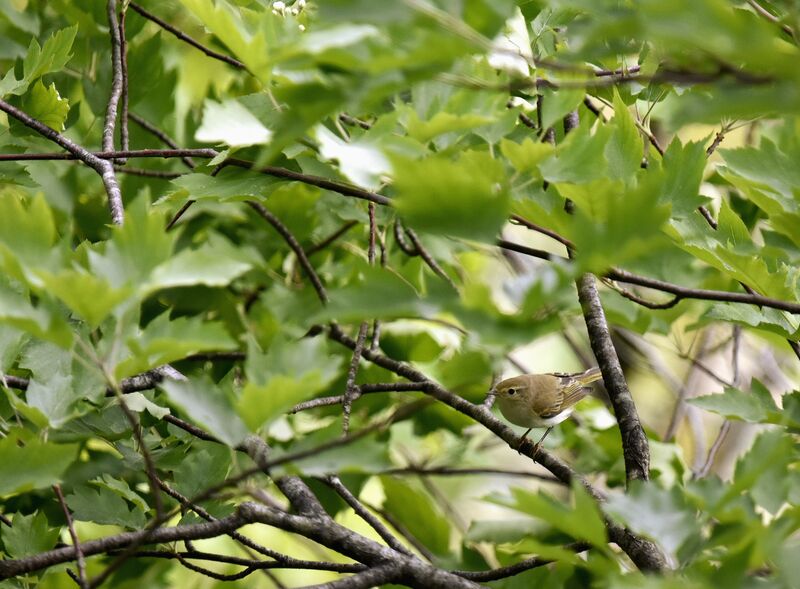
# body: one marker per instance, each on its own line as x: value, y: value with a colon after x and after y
x: 428, y: 178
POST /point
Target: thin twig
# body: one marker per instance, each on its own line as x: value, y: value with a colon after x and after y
x: 83, y: 583
x: 518, y: 219
x: 116, y: 76
x: 428, y: 258
x: 351, y: 391
x: 158, y: 133
x: 331, y: 238
x: 764, y: 13
x: 124, y: 140
x: 400, y: 238
x: 187, y: 39
x: 362, y: 390
x: 336, y: 484
x: 516, y: 569
x: 445, y: 471
x: 295, y: 246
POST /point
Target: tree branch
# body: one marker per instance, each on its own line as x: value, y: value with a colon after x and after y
x: 187, y: 39
x: 104, y: 168
x: 635, y: 447
x: 82, y: 581
x: 13, y: 567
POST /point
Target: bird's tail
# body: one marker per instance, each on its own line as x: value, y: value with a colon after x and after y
x: 589, y: 376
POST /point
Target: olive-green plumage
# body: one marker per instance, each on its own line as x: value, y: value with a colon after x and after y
x: 543, y: 400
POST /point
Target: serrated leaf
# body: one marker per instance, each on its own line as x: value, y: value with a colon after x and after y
x: 526, y: 156
x: 45, y: 104
x: 104, y: 506
x: 90, y: 297
x: 230, y: 183
x: 683, y: 168
x: 44, y: 463
x: 28, y: 535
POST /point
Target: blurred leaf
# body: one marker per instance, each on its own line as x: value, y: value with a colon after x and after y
x: 418, y: 514
x: 44, y: 463
x: 463, y: 198
x: 289, y: 372
x: 210, y: 406
x: 660, y: 514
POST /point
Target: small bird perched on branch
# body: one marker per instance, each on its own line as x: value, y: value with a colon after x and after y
x: 542, y: 400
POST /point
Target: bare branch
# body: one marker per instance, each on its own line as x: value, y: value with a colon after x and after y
x: 351, y: 391
x: 186, y: 38
x: 635, y: 447
x: 295, y: 246
x: 99, y: 165
x: 333, y: 482
x: 124, y: 139
x: 116, y: 76
x: 14, y: 567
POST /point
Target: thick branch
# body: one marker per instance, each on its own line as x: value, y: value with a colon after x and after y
x: 29, y: 564
x: 635, y: 447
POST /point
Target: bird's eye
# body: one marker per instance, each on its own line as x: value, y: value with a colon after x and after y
x: 512, y: 392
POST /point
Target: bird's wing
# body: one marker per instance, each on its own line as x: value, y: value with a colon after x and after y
x: 570, y: 391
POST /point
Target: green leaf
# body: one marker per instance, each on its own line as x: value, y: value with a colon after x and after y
x: 229, y: 184
x: 763, y: 470
x: 443, y: 122
x: 362, y: 162
x: 92, y: 298
x: 121, y: 488
x: 46, y: 105
x: 164, y: 341
x: 624, y: 149
x: 43, y: 463
x: 207, y: 464
x: 465, y: 197
x: 755, y: 407
x: 216, y: 263
x: 28, y: 535
x: 289, y: 372
x: 52, y: 57
x: 582, y: 522
x: 660, y: 514
x: 579, y: 158
x: 104, y: 506
x: 556, y: 105
x: 526, y: 156
x: 209, y: 405
x: 418, y: 514
x: 683, y: 168
x: 226, y: 22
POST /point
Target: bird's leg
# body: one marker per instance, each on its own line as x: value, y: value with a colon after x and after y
x: 539, y: 443
x: 522, y: 440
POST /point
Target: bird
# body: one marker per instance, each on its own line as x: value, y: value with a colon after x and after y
x: 542, y: 400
